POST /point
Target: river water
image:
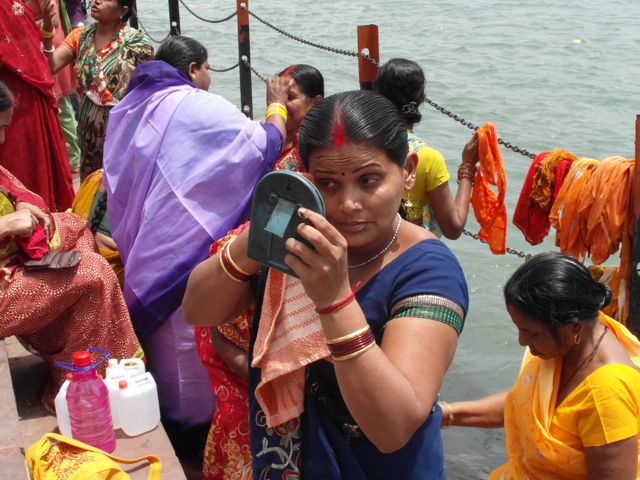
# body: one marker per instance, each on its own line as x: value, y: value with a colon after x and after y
x: 548, y: 74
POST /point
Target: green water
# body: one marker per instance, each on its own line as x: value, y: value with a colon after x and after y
x: 548, y: 74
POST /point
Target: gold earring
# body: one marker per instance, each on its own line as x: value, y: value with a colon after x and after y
x: 193, y: 77
x: 577, y: 338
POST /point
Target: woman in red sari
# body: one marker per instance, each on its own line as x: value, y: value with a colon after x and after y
x: 223, y: 350
x: 34, y: 151
x: 55, y: 311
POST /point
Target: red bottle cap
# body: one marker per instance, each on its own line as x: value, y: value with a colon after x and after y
x: 122, y: 384
x: 81, y: 359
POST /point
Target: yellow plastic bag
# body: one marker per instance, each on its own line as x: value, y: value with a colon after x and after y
x: 56, y: 457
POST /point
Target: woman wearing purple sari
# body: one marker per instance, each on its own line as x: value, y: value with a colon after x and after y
x: 180, y: 166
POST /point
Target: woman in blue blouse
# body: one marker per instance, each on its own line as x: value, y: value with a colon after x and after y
x: 371, y: 411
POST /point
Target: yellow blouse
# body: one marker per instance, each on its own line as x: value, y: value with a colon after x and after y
x: 604, y: 408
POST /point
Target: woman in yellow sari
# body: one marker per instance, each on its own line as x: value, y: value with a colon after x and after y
x: 574, y: 411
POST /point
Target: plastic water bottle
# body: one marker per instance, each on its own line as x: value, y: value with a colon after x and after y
x: 62, y: 410
x: 88, y: 402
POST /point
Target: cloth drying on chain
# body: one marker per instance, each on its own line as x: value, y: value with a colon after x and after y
x: 490, y: 208
x: 602, y: 210
x: 539, y: 191
x: 564, y: 212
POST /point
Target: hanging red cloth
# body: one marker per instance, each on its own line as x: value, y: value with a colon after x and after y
x: 34, y: 149
x: 490, y: 208
x: 532, y: 222
x: 539, y: 191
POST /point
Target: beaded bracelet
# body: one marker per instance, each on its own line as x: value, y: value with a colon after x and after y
x: 351, y: 345
x: 276, y: 109
x: 46, y: 33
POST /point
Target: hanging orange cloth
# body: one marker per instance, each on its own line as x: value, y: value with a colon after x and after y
x: 490, y: 209
x: 564, y: 212
x: 602, y: 210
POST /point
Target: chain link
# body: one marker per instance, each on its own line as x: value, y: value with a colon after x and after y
x: 255, y: 72
x: 221, y: 20
x: 471, y: 126
x: 339, y: 51
x: 224, y: 70
x: 510, y: 250
x: 135, y: 13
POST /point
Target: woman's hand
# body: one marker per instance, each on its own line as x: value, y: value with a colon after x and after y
x: 41, y: 216
x: 278, y: 90
x: 18, y: 224
x: 49, y: 14
x: 470, y: 150
x: 323, y: 271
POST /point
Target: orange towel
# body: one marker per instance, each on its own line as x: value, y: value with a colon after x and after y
x: 289, y: 338
x: 490, y: 209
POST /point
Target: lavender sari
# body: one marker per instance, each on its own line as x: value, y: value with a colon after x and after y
x: 180, y: 166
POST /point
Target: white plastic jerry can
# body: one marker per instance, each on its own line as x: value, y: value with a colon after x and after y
x: 116, y: 372
x: 138, y: 406
x: 62, y: 409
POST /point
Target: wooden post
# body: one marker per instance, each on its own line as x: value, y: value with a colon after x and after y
x: 133, y: 18
x: 244, y: 55
x: 174, y: 17
x: 634, y: 281
x: 368, y: 41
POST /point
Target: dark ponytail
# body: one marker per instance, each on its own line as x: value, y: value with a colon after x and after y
x: 403, y: 82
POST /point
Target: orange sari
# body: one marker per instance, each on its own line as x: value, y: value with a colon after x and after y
x: 530, y: 417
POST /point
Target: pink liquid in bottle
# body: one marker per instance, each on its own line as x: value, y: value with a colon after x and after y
x: 89, y: 409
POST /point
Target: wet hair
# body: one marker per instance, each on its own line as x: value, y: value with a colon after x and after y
x: 308, y: 78
x: 6, y: 97
x: 556, y: 290
x: 361, y: 117
x: 129, y: 4
x: 180, y: 52
x: 403, y: 82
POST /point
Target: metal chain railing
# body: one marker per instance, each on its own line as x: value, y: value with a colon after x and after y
x: 254, y: 71
x: 339, y: 51
x: 517, y: 253
x: 471, y: 126
x: 224, y: 70
x: 221, y: 20
x: 135, y: 13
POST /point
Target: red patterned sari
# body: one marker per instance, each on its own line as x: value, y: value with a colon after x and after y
x: 58, y: 312
x: 34, y: 149
x: 227, y: 454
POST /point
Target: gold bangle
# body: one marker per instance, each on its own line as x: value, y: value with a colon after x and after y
x: 234, y: 264
x: 46, y: 33
x: 447, y: 413
x: 354, y: 354
x: 224, y: 269
x: 349, y: 336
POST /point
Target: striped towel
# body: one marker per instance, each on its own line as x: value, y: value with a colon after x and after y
x: 289, y: 338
